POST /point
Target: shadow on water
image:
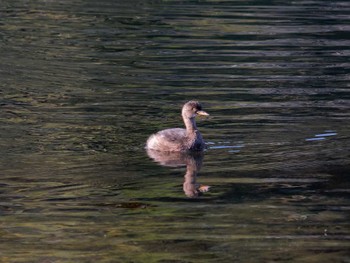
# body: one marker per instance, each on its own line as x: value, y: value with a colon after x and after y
x: 192, y: 161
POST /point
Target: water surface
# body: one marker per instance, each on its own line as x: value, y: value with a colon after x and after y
x: 84, y: 83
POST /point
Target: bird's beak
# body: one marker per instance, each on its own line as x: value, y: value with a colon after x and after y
x: 203, y: 113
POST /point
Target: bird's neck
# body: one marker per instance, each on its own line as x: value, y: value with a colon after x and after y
x: 190, y: 124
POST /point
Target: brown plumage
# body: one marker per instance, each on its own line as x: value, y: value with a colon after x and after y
x: 177, y: 139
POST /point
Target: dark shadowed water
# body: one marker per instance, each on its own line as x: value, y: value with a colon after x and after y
x: 84, y: 83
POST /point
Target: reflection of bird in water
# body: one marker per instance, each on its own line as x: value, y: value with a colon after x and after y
x: 177, y: 139
x: 193, y: 163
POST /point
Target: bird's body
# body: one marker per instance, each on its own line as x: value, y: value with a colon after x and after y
x: 178, y: 139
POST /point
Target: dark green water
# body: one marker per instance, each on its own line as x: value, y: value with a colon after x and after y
x: 84, y: 83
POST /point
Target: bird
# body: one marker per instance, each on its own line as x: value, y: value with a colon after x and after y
x: 178, y: 139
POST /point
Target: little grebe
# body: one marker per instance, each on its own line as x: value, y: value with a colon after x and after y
x: 177, y: 139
